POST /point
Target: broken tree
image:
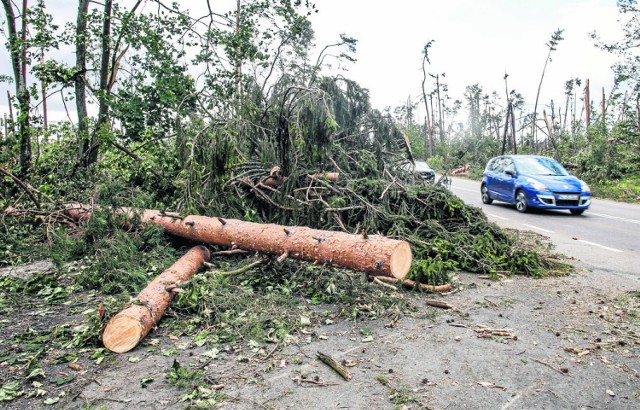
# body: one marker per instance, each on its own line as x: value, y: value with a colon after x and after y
x: 126, y: 329
x: 374, y: 254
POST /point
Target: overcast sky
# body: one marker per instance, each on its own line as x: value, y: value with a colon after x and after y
x: 476, y: 41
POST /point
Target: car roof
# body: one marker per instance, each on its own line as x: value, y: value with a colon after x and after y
x: 521, y: 156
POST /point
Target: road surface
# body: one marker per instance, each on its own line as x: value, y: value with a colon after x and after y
x: 606, y: 237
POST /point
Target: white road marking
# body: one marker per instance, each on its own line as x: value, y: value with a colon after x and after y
x: 617, y: 218
x: 538, y: 228
x: 499, y: 217
x: 468, y: 190
x: 600, y: 246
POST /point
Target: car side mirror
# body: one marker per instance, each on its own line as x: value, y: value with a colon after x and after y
x: 510, y: 172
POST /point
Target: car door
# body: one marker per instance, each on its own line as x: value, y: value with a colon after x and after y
x: 491, y: 174
x: 504, y: 181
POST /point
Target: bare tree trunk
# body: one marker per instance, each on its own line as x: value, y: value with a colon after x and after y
x: 17, y: 50
x: 604, y: 111
x: 506, y: 129
x: 10, y: 104
x: 587, y: 104
x: 426, y: 106
x: 80, y: 77
x: 513, y: 130
x: 239, y: 62
x: 433, y: 118
x: 440, y: 129
x: 638, y: 109
x: 103, y: 109
x: 44, y: 96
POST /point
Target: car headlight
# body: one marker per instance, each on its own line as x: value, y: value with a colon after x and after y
x: 584, y: 186
x: 537, y: 185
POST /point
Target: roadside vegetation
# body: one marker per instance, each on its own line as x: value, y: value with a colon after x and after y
x: 261, y: 110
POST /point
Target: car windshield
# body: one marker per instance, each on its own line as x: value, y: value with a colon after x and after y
x: 422, y: 166
x: 540, y: 166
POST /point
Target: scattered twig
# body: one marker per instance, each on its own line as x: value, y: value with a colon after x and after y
x: 300, y: 380
x: 485, y: 331
x: 492, y: 385
x: 271, y: 352
x: 490, y: 301
x: 386, y: 285
x: 242, y: 269
x: 550, y: 366
x: 412, y: 284
x: 229, y: 252
x: 441, y: 304
x: 331, y: 362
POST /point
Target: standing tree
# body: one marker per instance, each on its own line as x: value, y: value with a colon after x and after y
x: 17, y: 50
x: 556, y: 37
x: 428, y: 123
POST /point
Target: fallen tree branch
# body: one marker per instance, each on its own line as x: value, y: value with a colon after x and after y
x: 331, y: 362
x: 485, y: 331
x: 23, y: 186
x: 565, y: 373
x: 242, y: 269
x: 412, y: 284
x: 385, y: 285
x: 441, y: 304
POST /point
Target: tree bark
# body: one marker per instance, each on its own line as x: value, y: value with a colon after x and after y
x: 80, y: 77
x: 103, y: 109
x: 587, y: 104
x: 126, y: 329
x: 374, y: 254
x: 16, y: 51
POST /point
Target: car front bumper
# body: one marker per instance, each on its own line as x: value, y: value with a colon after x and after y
x: 561, y: 201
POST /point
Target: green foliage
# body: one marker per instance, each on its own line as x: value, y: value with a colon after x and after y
x: 199, y: 395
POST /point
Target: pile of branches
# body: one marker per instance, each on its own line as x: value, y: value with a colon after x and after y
x: 446, y: 234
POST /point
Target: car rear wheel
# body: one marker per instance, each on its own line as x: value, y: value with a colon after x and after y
x: 576, y: 211
x: 486, y: 198
x: 521, y: 202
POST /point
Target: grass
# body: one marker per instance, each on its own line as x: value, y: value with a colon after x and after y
x: 625, y: 190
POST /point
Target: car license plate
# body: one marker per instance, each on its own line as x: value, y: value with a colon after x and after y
x: 569, y: 197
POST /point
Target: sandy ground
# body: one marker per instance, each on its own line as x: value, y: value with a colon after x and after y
x: 570, y: 342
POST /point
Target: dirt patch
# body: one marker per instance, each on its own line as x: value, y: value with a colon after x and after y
x: 568, y: 342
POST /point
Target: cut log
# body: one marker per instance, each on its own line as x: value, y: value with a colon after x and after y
x: 126, y: 329
x: 374, y: 254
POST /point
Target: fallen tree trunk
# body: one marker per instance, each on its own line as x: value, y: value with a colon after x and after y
x: 126, y: 329
x: 374, y: 254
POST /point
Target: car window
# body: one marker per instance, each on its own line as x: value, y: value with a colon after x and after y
x: 422, y: 166
x: 540, y: 166
x: 498, y: 165
x: 509, y: 165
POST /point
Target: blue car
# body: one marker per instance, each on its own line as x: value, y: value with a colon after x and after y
x: 532, y: 181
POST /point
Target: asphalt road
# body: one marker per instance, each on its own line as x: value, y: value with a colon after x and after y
x: 606, y: 237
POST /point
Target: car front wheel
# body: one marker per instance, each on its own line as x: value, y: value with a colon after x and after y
x: 521, y: 202
x: 486, y: 198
